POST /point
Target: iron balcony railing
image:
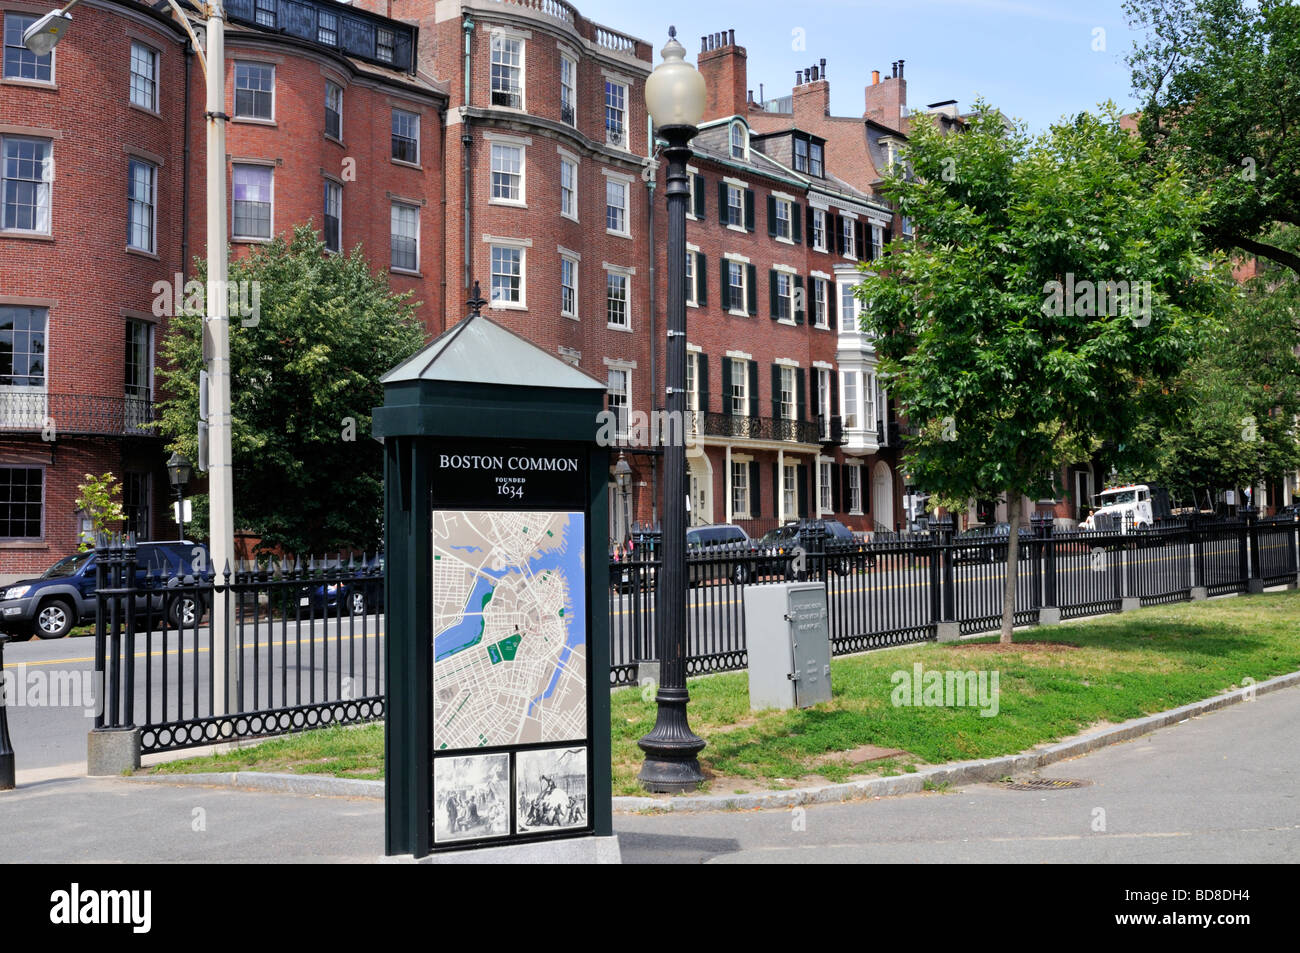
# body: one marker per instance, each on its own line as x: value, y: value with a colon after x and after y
x: 759, y: 428
x: 29, y: 411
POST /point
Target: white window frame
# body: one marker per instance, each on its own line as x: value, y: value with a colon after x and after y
x: 740, y: 489
x: 819, y: 230
x: 743, y: 310
x: 152, y: 203
x: 789, y: 385
x: 692, y: 279
x: 825, y: 496
x: 855, y: 490
x: 691, y: 174
x: 821, y: 305
x: 850, y: 245
x: 851, y: 399
x: 848, y: 310
x: 498, y: 43
x: 571, y: 212
x: 153, y: 58
x: 790, y: 488
x: 44, y: 189
x: 520, y: 200
x: 817, y: 167
x: 824, y: 409
x: 788, y: 206
x: 44, y: 500
x: 571, y: 88
x: 739, y: 393
x: 271, y: 224
x: 575, y: 261
x: 869, y: 418
x: 505, y: 304
x: 392, y: 209
x: 739, y: 192
x: 877, y: 239
x: 337, y: 188
x: 613, y: 272
x: 626, y: 393
x: 692, y: 381
x: 32, y: 17
x: 235, y: 90
x: 625, y: 183
x: 610, y: 138
x: 415, y: 125
x: 331, y: 85
x: 738, y: 129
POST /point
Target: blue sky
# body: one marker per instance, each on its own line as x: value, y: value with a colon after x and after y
x: 1033, y: 59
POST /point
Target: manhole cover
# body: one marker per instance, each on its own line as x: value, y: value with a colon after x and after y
x: 1047, y: 784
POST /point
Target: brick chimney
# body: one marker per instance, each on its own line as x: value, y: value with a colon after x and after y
x: 811, y: 96
x: 723, y: 65
x: 886, y: 98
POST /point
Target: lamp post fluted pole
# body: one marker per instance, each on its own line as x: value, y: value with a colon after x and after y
x: 671, y: 748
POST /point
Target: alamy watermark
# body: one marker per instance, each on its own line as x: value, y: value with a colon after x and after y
x: 946, y: 689
x: 23, y: 687
x: 243, y: 299
x: 1085, y: 298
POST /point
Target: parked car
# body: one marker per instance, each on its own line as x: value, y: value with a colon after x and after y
x: 63, y: 596
x: 356, y: 596
x: 988, y: 544
x: 842, y: 548
x: 723, y: 550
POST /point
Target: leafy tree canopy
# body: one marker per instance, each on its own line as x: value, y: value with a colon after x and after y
x: 305, y: 376
x: 1219, y: 84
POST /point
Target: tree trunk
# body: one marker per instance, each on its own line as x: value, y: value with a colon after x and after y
x: 1013, y: 557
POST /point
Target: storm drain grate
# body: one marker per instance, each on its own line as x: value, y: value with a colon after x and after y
x: 1047, y: 784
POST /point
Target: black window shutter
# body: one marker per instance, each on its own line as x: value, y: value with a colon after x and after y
x: 778, y: 496
x: 798, y: 299
x: 801, y: 481
x: 751, y: 289
x: 833, y: 304
x: 800, y: 400
x: 859, y: 240
x: 810, y: 225
x: 699, y: 195
x: 838, y: 244
x: 755, y: 494
x: 835, y: 393
x: 771, y: 216
x: 749, y: 210
x: 796, y: 222
x: 870, y: 234
x: 845, y: 494
x: 701, y: 278
x: 753, y: 388
x: 724, y: 289
x: 702, y: 380
x: 776, y: 391
x: 835, y: 488
x: 722, y: 202
x: 726, y: 386
x: 864, y: 482
x: 771, y: 290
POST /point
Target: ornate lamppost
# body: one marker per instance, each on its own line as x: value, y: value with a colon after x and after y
x: 675, y: 98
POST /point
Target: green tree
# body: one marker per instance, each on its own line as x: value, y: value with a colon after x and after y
x: 987, y: 335
x: 305, y: 371
x: 101, y: 498
x: 1239, y: 397
x: 1219, y: 87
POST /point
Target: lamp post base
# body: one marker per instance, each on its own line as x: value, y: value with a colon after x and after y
x: 672, y: 764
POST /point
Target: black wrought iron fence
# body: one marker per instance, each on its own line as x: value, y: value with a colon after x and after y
x: 305, y: 647
x: 899, y: 588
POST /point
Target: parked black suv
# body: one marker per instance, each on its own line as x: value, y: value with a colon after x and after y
x: 842, y: 548
x: 64, y: 595
x: 721, y: 551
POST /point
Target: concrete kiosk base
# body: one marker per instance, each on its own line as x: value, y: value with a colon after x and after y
x: 1254, y: 585
x: 575, y: 850
x: 1049, y: 615
x: 1130, y: 604
x: 948, y: 631
x: 111, y: 751
x: 1199, y: 593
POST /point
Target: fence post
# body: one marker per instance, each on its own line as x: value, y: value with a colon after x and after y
x: 1196, y: 544
x: 1050, y: 612
x: 113, y: 748
x: 935, y: 570
x: 1127, y: 600
x: 1293, y: 559
x: 1254, y: 578
x: 949, y: 629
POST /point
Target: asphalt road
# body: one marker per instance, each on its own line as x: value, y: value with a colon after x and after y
x: 1221, y: 788
x: 56, y: 694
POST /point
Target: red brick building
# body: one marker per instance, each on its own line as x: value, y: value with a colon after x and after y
x: 102, y: 196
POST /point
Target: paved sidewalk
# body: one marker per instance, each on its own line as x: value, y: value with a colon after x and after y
x: 1223, y: 787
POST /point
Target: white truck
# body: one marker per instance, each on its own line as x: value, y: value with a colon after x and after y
x: 1124, y: 508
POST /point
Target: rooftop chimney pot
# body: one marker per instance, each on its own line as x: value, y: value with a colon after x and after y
x: 731, y: 37
x: 900, y: 69
x: 875, y: 77
x: 823, y: 67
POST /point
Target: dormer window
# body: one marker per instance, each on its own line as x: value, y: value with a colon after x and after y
x: 739, y: 141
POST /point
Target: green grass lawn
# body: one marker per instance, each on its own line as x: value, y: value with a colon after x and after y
x: 1053, y: 682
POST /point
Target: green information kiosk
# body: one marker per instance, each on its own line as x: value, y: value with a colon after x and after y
x: 497, y: 699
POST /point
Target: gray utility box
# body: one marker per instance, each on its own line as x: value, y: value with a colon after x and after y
x: 787, y: 632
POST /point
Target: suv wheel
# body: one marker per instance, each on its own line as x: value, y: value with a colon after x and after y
x: 843, y: 565
x: 181, y: 613
x: 357, y: 602
x: 739, y: 574
x: 54, y: 619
